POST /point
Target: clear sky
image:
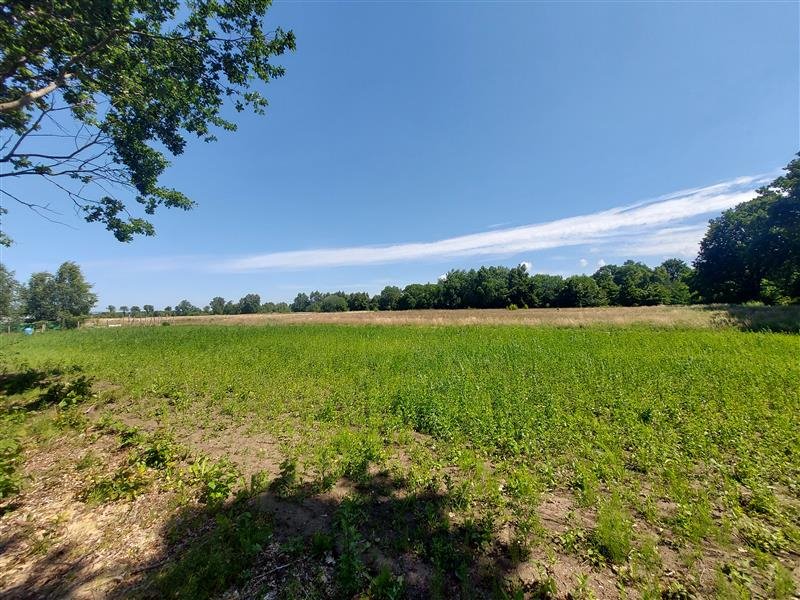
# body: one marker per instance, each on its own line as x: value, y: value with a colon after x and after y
x: 407, y: 139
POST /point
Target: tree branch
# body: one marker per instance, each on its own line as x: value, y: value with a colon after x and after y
x: 24, y: 135
x: 34, y: 95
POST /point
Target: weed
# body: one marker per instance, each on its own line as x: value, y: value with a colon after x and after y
x: 582, y: 590
x: 614, y: 531
x: 125, y: 484
x: 218, y: 560
x: 67, y: 393
x: 87, y: 461
x: 157, y: 451
x: 259, y: 483
x: 287, y: 478
x: 216, y: 479
x: 761, y: 536
x: 10, y: 450
x: 386, y: 586
x: 732, y: 584
x: 783, y: 585
x: 70, y: 417
x: 350, y: 569
x: 321, y: 544
x: 693, y: 429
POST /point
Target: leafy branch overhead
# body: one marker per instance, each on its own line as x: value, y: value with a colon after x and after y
x: 94, y: 94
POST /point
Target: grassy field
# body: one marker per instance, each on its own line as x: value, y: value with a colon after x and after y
x: 319, y: 460
x: 776, y: 318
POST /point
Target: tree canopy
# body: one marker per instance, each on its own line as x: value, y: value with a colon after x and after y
x: 61, y: 297
x: 752, y: 251
x: 9, y: 292
x: 630, y: 284
x: 95, y: 95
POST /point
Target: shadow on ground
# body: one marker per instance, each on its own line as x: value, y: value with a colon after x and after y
x: 366, y: 538
x: 758, y: 318
x: 19, y: 382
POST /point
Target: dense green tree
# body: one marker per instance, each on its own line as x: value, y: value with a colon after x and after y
x: 491, y: 287
x: 418, y: 295
x: 676, y: 270
x: 580, y: 291
x: 273, y: 307
x: 633, y: 279
x: 545, y: 290
x: 185, y: 308
x: 605, y: 277
x: 149, y: 310
x: 40, y: 297
x: 74, y: 295
x: 9, y: 293
x: 389, y: 297
x: 217, y: 305
x: 61, y: 297
x: 519, y: 287
x: 752, y: 251
x: 358, y: 301
x: 300, y: 303
x: 453, y: 290
x: 250, y: 304
x: 333, y: 303
x: 128, y: 81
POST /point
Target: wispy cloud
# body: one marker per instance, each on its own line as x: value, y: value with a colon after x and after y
x: 652, y: 227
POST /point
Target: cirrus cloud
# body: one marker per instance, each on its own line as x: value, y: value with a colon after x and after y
x: 664, y: 225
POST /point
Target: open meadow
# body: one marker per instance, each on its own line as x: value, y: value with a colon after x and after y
x: 315, y: 460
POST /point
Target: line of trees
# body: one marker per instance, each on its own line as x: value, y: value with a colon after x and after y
x: 248, y: 304
x: 631, y: 284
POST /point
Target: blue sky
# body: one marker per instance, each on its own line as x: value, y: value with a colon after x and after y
x: 407, y: 139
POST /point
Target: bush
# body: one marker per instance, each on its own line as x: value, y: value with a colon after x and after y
x: 71, y: 321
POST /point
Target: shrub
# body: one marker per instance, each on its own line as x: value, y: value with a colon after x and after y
x: 68, y: 393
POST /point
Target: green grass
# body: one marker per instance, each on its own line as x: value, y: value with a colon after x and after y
x: 626, y: 420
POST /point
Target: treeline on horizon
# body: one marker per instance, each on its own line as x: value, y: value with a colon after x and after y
x: 749, y: 253
x: 630, y: 284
